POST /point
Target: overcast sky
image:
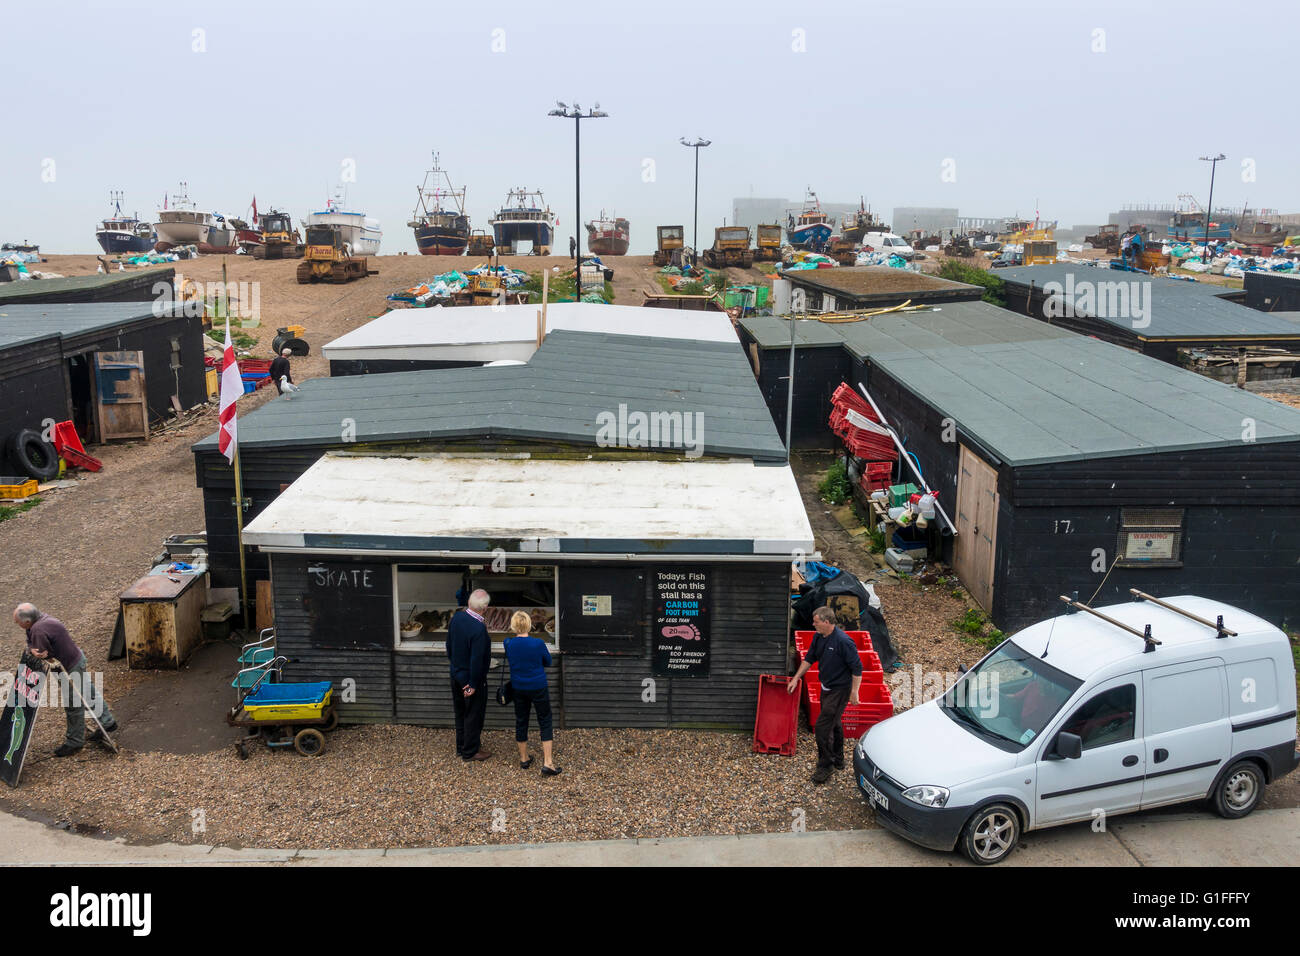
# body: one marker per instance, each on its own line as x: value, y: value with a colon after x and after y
x: 990, y: 107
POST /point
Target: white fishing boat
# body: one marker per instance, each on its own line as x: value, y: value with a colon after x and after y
x: 361, y: 233
x: 182, y: 223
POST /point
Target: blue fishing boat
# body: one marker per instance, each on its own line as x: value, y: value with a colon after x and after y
x: 812, y: 228
x: 118, y: 233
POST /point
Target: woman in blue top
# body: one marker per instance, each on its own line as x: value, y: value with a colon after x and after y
x: 528, y: 656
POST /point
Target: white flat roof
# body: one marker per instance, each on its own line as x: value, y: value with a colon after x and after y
x: 489, y: 333
x: 421, y: 505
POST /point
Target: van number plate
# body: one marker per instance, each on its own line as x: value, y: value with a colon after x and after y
x: 874, y: 795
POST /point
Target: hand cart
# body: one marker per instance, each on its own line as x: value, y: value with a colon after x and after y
x: 284, y: 714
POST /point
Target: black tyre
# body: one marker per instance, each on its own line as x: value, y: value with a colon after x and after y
x: 241, y: 748
x: 331, y: 721
x: 294, y: 345
x: 33, y: 454
x: 1239, y: 790
x: 309, y: 742
x: 991, y: 834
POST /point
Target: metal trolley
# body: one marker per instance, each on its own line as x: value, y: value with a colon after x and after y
x: 281, y: 714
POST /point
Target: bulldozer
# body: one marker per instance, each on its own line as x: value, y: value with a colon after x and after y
x: 326, y: 258
x: 843, y: 251
x: 280, y: 239
x: 1106, y: 238
x: 768, y: 243
x: 730, y: 248
x: 670, y: 240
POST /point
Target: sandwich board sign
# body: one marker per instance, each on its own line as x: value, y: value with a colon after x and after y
x: 22, y: 704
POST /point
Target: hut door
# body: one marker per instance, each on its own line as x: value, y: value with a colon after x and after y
x: 120, y: 407
x: 977, y: 522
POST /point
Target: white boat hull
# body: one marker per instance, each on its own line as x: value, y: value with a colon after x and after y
x: 360, y: 232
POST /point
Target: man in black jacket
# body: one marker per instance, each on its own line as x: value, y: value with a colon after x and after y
x: 469, y: 650
x: 840, y: 670
x: 280, y: 369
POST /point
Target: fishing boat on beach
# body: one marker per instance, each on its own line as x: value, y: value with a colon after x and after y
x: 524, y: 219
x: 1258, y: 230
x: 440, y: 231
x: 812, y: 228
x: 182, y: 223
x: 608, y: 236
x: 119, y: 233
x: 857, y: 224
x: 361, y: 234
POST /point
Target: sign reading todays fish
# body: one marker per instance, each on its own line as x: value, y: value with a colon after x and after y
x: 680, y: 637
x: 349, y: 604
x: 22, y: 701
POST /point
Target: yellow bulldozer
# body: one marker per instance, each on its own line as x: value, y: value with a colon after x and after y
x: 326, y: 259
x: 730, y: 248
x: 279, y: 238
x: 768, y: 243
x: 670, y: 241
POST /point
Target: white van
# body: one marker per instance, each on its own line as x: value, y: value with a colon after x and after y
x: 890, y: 243
x: 1084, y: 715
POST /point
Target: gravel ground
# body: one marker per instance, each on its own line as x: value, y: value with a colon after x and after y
x: 404, y: 786
x: 396, y: 785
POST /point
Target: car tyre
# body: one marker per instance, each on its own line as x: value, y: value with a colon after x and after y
x: 991, y: 834
x: 1239, y: 790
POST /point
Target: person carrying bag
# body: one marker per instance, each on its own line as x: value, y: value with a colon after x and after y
x: 528, y: 657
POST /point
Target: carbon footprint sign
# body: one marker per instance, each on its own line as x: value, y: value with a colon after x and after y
x: 681, y: 624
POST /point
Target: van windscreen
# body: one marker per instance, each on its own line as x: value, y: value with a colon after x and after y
x: 1009, y: 697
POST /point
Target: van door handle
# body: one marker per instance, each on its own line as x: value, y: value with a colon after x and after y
x: 1160, y: 755
x: 1130, y: 760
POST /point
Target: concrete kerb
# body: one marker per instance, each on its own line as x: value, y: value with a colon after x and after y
x: 1267, y: 837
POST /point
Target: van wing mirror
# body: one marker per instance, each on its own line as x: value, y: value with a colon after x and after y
x: 962, y: 669
x: 1069, y: 746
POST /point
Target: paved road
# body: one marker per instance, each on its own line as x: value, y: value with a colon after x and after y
x: 1265, y: 838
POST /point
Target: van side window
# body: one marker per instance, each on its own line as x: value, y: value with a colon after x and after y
x: 1106, y: 719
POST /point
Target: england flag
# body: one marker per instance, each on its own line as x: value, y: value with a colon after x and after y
x: 232, y: 386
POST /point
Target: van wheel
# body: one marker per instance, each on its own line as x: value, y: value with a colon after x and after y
x: 1239, y: 790
x: 991, y: 834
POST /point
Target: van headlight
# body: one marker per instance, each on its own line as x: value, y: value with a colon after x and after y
x: 927, y: 796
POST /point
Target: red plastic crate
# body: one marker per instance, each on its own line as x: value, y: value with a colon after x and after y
x: 876, y: 475
x: 65, y: 436
x: 81, y: 460
x: 856, y: 724
x: 776, y: 722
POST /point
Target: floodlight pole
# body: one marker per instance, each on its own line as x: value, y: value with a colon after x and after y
x: 577, y: 115
x: 695, y: 228
x: 1209, y: 206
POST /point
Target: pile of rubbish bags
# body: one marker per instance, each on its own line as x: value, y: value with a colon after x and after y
x: 802, y: 260
x: 15, y: 258
x: 447, y: 284
x: 175, y: 254
x: 1226, y: 260
x: 866, y: 258
x: 855, y: 605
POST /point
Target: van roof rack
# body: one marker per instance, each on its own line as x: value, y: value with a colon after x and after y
x: 1076, y: 605
x: 1217, y: 625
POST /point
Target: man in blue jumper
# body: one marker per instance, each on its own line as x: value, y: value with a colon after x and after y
x: 469, y: 650
x: 839, y: 668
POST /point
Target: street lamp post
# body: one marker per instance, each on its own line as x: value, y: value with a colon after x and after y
x: 576, y: 114
x: 695, y: 229
x: 1209, y: 206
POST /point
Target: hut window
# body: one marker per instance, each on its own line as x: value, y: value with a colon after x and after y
x: 428, y: 595
x: 1150, y: 537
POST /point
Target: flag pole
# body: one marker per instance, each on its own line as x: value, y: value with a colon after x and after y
x: 239, y: 537
x: 232, y: 387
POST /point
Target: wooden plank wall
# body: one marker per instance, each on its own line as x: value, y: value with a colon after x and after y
x: 749, y: 621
